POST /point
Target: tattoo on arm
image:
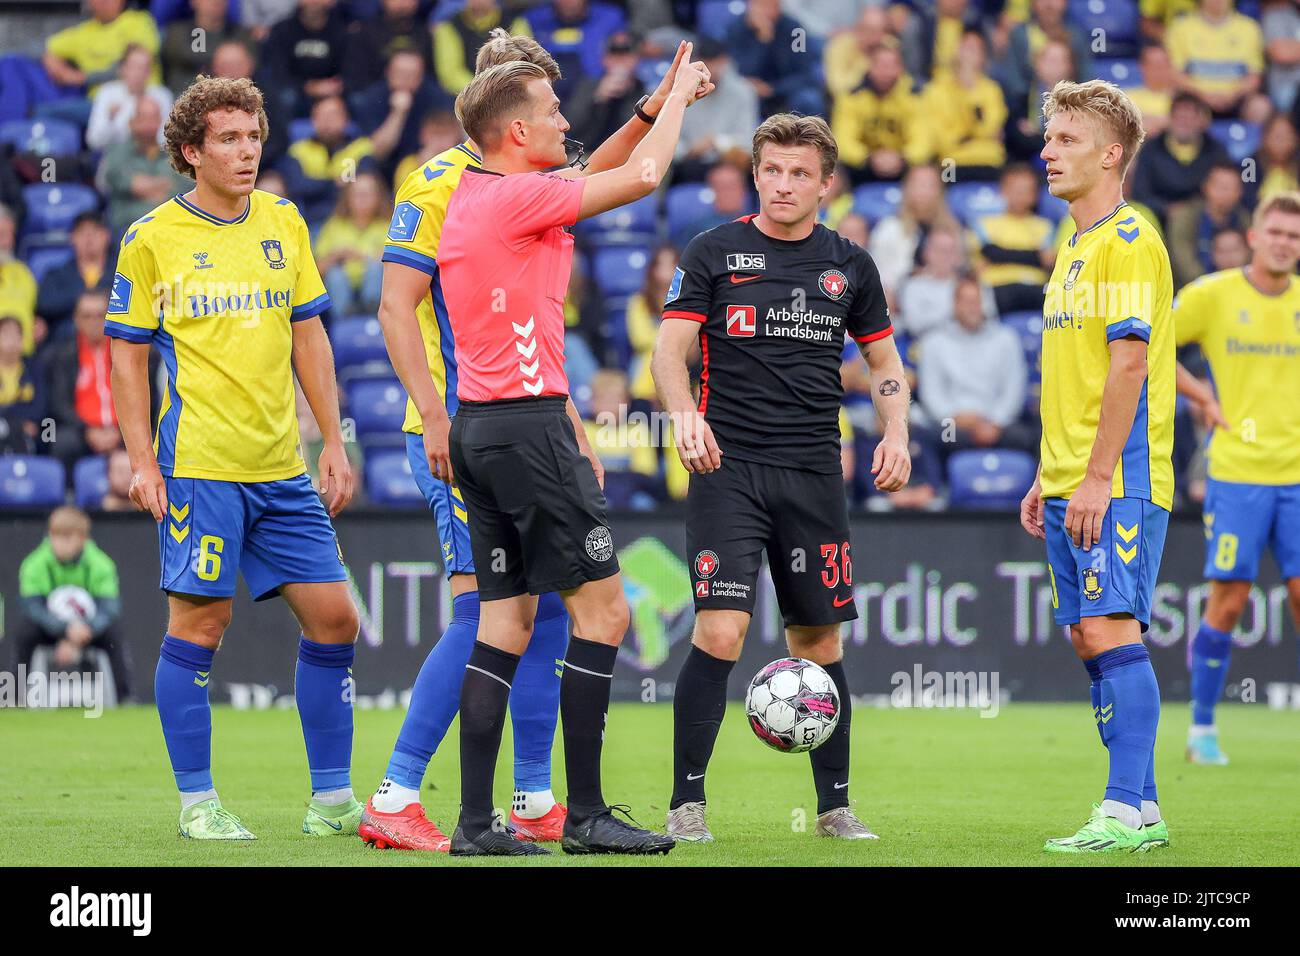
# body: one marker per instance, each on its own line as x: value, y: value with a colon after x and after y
x: 889, y: 387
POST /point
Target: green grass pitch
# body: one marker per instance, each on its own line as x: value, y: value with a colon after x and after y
x: 940, y: 787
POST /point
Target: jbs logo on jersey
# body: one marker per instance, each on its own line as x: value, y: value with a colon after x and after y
x: 834, y: 283
x: 741, y: 321
x: 745, y: 262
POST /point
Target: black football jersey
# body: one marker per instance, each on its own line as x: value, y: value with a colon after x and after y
x: 773, y: 314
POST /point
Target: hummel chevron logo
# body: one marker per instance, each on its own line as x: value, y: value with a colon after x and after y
x: 530, y: 370
x: 1128, y: 554
x: 178, y: 533
x: 523, y: 330
x: 534, y: 388
x: 179, y: 514
x: 1128, y: 534
x: 528, y: 350
x: 204, y: 675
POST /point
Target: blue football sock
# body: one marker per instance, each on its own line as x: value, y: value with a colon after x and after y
x: 180, y: 687
x: 1130, y: 714
x: 535, y: 695
x: 1094, y: 691
x: 435, y: 697
x: 323, y: 688
x: 1211, y: 649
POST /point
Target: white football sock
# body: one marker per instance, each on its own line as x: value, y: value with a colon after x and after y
x: 1128, y: 815
x: 332, y: 798
x: 189, y: 799
x: 1201, y: 730
x: 392, y: 797
x: 531, y: 804
x: 1150, y: 812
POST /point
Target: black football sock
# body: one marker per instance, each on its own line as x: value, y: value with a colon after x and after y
x: 698, y: 705
x: 584, y: 703
x: 830, y: 761
x: 483, y: 697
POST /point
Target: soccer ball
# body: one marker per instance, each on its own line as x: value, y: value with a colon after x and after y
x: 792, y: 705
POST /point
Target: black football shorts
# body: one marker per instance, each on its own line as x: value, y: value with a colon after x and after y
x: 537, y: 516
x: 799, y: 517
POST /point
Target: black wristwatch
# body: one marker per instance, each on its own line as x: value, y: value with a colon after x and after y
x: 641, y: 114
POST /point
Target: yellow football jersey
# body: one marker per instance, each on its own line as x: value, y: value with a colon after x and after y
x: 1252, y: 342
x: 413, y: 237
x: 1216, y: 56
x: 1111, y: 281
x: 217, y: 298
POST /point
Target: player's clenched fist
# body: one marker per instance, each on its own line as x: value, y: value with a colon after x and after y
x: 696, y: 446
x: 892, y: 463
x: 1031, y: 512
x: 149, y: 491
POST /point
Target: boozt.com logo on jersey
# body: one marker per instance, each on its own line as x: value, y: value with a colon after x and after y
x: 745, y: 262
x: 741, y: 321
x: 200, y: 304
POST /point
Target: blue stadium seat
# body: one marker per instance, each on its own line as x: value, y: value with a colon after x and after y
x: 24, y: 84
x: 1123, y: 71
x: 44, y: 137
x: 41, y: 259
x: 1118, y: 19
x: 357, y: 340
x: 993, y: 478
x: 1238, y: 137
x: 90, y: 481
x: 29, y: 481
x: 52, y: 207
x: 1050, y: 207
x: 165, y: 11
x: 686, y: 204
x: 970, y: 201
x: 389, y: 480
x: 633, y: 224
x: 877, y: 200
x: 620, y: 270
x: 1029, y: 326
x: 714, y: 18
x: 377, y: 407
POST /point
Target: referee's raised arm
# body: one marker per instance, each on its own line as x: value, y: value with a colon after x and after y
x: 648, y: 164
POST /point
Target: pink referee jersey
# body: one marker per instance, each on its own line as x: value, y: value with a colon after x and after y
x: 505, y: 260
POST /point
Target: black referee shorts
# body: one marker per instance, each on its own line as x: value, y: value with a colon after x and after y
x: 537, y: 516
x: 799, y: 517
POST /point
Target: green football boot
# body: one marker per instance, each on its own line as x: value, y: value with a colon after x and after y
x: 1157, y: 835
x: 338, y: 820
x: 1101, y: 834
x: 209, y: 820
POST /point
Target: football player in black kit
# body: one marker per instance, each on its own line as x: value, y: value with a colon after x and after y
x: 770, y: 298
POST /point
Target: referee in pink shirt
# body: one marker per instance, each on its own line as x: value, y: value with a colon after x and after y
x: 530, y: 480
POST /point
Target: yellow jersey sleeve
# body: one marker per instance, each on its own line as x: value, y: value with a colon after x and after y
x: 1193, y: 310
x: 1128, y: 298
x: 309, y: 296
x: 134, y: 310
x: 418, y: 215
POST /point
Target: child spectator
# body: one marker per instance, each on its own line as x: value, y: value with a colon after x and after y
x: 350, y: 244
x: 69, y: 600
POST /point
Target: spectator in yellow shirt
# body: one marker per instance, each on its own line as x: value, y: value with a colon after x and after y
x: 643, y: 319
x: 963, y: 113
x: 874, y: 124
x: 1156, y: 15
x: 1219, y: 56
x: 624, y: 442
x: 351, y: 243
x: 87, y: 53
x: 1159, y: 83
x: 847, y: 56
x: 457, y: 39
x: 1279, y: 157
x: 17, y: 284
x: 1015, y: 246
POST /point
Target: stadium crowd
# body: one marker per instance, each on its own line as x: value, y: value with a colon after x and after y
x: 935, y: 104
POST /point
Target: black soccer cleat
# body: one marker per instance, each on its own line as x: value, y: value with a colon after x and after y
x: 599, y: 831
x: 492, y: 841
